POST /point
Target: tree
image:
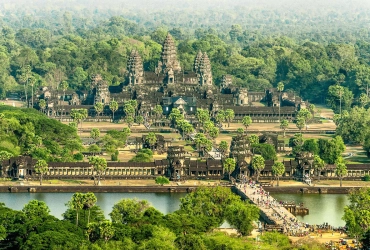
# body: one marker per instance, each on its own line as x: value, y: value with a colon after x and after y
x: 267, y: 151
x: 341, y: 169
x: 89, y: 200
x: 94, y: 149
x: 258, y: 163
x: 42, y: 105
x: 300, y: 123
x: 151, y: 139
x: 139, y: 119
x: 284, y: 124
x: 158, y: 111
x: 24, y: 77
x: 357, y: 213
x: 41, y: 168
x: 64, y: 86
x: 278, y: 169
x: 229, y: 166
x: 129, y: 109
x: 129, y: 120
x: 76, y: 203
x: 4, y: 155
x: 312, y: 109
x: 247, y: 121
x: 220, y: 117
x: 214, y: 132
x: 161, y: 180
x: 229, y: 115
x: 113, y: 106
x: 95, y: 134
x: 202, y: 116
x: 99, y: 165
x: 363, y: 99
x: 242, y: 215
x: 318, y: 165
x: 311, y: 146
x: 331, y: 150
x: 280, y: 88
x: 36, y: 209
x: 305, y: 115
x: 223, y: 147
x: 99, y: 107
x: 128, y: 211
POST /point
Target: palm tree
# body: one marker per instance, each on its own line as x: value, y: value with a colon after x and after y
x: 32, y: 82
x: 99, y: 165
x: 280, y: 88
x: 229, y: 115
x: 24, y: 77
x: 258, y: 163
x: 94, y: 134
x: 278, y: 169
x: 319, y: 165
x: 300, y: 124
x: 341, y: 169
x: 64, y: 88
x: 229, y: 166
x: 42, y: 105
x: 99, y: 107
x: 247, y: 121
x: 223, y: 147
x: 89, y: 201
x: 76, y: 203
x: 113, y: 105
x: 151, y: 139
x: 158, y: 111
x: 284, y: 124
x: 41, y: 168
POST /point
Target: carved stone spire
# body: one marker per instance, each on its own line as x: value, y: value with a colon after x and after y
x: 169, y: 56
x: 197, y: 60
x: 135, y: 68
x: 205, y: 71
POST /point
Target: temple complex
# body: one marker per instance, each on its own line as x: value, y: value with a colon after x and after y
x: 171, y: 86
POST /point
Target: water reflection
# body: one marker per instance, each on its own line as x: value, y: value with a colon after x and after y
x: 164, y: 202
x: 323, y: 207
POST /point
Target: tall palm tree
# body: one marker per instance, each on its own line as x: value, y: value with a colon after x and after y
x: 280, y: 88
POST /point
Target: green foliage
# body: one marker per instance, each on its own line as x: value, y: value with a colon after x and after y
x: 258, y: 163
x: 28, y: 131
x: 161, y: 180
x: 357, y: 214
x: 331, y: 150
x: 241, y: 215
x: 144, y: 155
x: 128, y: 211
x: 353, y: 127
x: 229, y: 165
x: 366, y: 177
x: 311, y: 146
x: 267, y: 151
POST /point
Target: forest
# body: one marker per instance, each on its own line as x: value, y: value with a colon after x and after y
x: 260, y: 45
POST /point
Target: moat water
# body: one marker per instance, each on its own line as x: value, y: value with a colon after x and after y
x: 164, y: 202
x: 323, y: 207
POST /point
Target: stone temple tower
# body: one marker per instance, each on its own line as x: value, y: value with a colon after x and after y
x: 102, y: 93
x: 204, y: 71
x: 135, y: 68
x: 197, y: 60
x: 168, y: 60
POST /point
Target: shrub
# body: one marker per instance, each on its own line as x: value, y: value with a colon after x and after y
x: 161, y: 180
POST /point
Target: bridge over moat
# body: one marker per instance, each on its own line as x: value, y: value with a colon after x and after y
x: 274, y: 214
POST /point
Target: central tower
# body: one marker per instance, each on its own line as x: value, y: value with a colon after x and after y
x: 168, y: 63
